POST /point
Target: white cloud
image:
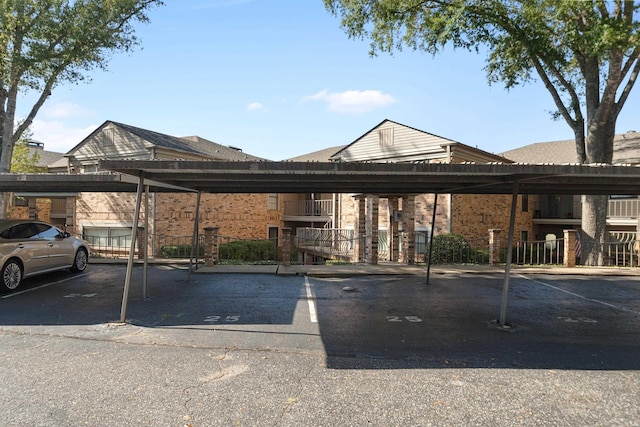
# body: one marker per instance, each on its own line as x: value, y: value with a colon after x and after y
x: 64, y: 110
x: 58, y: 136
x: 353, y: 101
x: 255, y: 106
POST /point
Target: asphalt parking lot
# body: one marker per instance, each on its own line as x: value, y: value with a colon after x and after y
x: 258, y: 349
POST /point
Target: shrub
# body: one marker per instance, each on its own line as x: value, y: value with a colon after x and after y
x: 179, y: 251
x: 248, y: 251
x: 450, y: 248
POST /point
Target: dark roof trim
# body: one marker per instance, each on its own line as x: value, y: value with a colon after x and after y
x: 385, y: 178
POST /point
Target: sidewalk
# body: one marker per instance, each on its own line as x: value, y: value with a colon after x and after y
x: 384, y: 268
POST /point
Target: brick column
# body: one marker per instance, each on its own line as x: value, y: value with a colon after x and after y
x: 70, y: 215
x: 408, y: 229
x: 141, y: 242
x: 33, y: 208
x: 286, y: 246
x: 494, y: 247
x: 570, y: 248
x: 373, y: 203
x: 211, y: 245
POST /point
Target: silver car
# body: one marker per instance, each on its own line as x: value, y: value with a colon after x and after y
x: 31, y: 247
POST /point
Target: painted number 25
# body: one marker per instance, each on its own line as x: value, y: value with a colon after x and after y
x: 412, y: 319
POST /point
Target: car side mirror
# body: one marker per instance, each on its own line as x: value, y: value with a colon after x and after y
x: 65, y: 234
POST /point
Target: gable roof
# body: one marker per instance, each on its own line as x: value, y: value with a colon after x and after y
x: 192, y: 144
x: 626, y: 149
x: 431, y: 147
x: 223, y: 152
x: 318, y: 156
x: 45, y: 158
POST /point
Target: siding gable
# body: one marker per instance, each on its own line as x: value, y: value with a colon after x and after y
x: 394, y: 142
x: 120, y: 141
x: 391, y: 141
x: 111, y: 142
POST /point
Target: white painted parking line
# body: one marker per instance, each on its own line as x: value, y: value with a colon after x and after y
x: 312, y: 302
x: 44, y: 286
x: 579, y: 296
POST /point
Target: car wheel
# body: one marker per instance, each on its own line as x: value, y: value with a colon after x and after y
x: 11, y: 274
x: 80, y: 261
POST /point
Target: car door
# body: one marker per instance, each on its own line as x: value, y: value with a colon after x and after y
x: 60, y: 248
x: 33, y: 250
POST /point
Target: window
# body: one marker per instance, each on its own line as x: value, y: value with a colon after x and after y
x: 422, y: 239
x: 273, y: 235
x: 385, y: 137
x: 525, y: 203
x: 111, y: 237
x: 20, y: 201
x: 273, y: 202
x: 524, y: 236
x: 21, y: 231
x: 48, y: 232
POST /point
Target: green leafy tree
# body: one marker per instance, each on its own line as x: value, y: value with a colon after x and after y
x: 25, y: 160
x: 46, y: 42
x: 586, y: 53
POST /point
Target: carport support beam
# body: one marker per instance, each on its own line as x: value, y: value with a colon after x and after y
x: 146, y: 241
x: 195, y: 244
x: 433, y: 224
x: 507, y: 268
x: 134, y: 237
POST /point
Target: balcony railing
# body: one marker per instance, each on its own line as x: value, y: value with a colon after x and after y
x: 623, y: 208
x: 565, y: 209
x: 308, y: 208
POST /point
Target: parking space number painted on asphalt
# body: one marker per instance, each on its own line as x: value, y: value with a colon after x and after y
x: 411, y: 319
x: 222, y: 319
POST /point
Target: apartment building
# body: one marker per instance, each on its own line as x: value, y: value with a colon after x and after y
x: 554, y: 213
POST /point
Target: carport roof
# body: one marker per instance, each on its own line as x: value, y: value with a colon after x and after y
x: 384, y: 178
x: 324, y: 177
x: 45, y: 183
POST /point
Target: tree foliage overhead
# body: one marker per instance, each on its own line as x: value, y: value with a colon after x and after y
x: 47, y: 42
x: 585, y: 52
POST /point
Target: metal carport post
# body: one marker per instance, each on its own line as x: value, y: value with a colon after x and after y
x: 134, y: 237
x: 195, y: 243
x: 433, y: 224
x: 507, y: 267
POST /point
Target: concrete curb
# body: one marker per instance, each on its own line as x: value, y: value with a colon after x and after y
x: 382, y: 269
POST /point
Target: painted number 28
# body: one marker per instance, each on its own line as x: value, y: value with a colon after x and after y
x: 412, y: 319
x: 217, y: 319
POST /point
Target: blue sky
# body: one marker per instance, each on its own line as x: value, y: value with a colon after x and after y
x: 279, y: 78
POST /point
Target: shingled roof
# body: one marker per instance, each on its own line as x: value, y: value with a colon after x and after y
x: 626, y: 149
x: 192, y: 144
x: 318, y: 156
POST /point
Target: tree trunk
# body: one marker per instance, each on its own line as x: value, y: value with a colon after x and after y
x: 599, y: 149
x: 594, y: 229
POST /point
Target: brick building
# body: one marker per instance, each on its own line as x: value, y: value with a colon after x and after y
x: 105, y: 219
x: 411, y: 214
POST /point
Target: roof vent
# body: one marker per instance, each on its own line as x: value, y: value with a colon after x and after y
x: 235, y: 148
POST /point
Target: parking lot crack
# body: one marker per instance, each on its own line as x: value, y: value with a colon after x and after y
x: 294, y: 398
